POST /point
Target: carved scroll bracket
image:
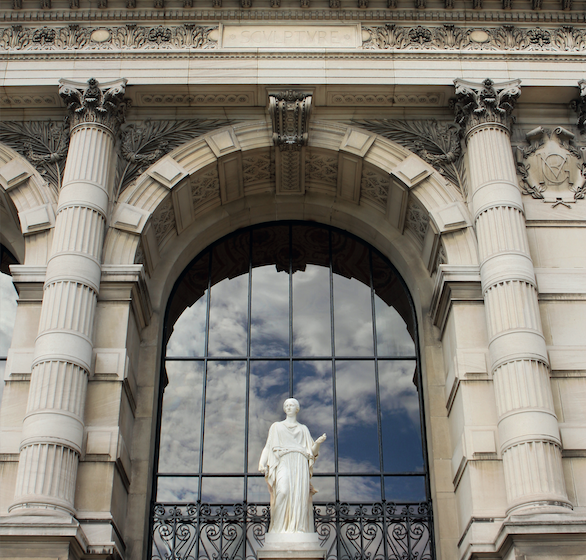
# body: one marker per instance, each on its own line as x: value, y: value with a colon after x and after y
x: 92, y: 102
x: 290, y: 112
x: 487, y: 102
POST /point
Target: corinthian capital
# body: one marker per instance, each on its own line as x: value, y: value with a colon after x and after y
x: 485, y: 103
x: 93, y: 102
x: 290, y: 111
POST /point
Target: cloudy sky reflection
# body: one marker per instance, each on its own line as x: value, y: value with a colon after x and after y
x: 242, y: 390
x: 8, y: 298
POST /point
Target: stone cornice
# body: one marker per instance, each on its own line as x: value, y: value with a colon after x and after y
x: 578, y: 57
x: 454, y: 283
x: 13, y: 17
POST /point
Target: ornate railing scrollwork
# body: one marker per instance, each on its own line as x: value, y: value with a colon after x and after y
x: 379, y: 531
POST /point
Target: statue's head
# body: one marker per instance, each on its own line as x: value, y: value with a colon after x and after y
x: 291, y: 401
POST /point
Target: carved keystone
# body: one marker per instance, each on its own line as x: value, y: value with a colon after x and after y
x: 290, y: 111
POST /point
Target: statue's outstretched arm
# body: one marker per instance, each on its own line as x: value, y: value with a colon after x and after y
x: 317, y: 443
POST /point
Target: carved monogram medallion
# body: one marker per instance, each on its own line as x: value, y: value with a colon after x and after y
x: 551, y: 167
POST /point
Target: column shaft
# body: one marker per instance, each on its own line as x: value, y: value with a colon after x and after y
x: 53, y: 427
x: 528, y: 428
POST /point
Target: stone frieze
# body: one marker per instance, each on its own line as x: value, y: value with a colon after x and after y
x: 389, y: 36
x: 451, y: 37
x: 122, y: 37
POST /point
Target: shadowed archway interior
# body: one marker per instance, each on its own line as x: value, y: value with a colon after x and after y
x: 290, y: 309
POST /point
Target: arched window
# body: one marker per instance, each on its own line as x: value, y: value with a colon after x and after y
x: 303, y: 310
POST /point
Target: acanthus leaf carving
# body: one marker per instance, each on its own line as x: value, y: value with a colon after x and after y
x: 141, y: 145
x: 436, y: 143
x: 487, y: 102
x: 91, y: 103
x: 43, y: 143
x: 564, y: 38
x: 123, y: 37
x: 452, y: 37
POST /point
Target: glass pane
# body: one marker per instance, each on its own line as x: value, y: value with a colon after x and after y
x: 8, y: 298
x: 229, y: 298
x: 269, y: 387
x: 357, y: 417
x: 311, y: 292
x: 394, y: 317
x: 258, y: 491
x: 401, y: 427
x: 392, y: 338
x: 352, y: 303
x: 312, y: 387
x: 270, y: 292
x: 224, y: 422
x: 177, y: 489
x: 405, y: 488
x: 188, y: 338
x: 360, y: 489
x: 325, y: 487
x: 181, y: 418
x: 222, y: 489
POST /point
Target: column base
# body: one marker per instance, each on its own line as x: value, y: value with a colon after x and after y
x: 541, y: 507
x: 42, y: 536
x: 285, y: 546
x: 539, y: 536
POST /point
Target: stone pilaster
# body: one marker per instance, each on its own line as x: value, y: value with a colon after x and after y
x: 53, y: 426
x: 528, y: 427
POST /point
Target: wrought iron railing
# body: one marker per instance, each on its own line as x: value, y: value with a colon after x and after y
x: 379, y: 531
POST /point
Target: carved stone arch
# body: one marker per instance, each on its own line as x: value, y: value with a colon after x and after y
x: 28, y: 205
x: 354, y: 179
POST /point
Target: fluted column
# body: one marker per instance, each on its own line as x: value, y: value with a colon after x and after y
x: 53, y: 424
x: 528, y: 427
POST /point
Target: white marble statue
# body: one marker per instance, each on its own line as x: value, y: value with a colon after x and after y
x: 287, y: 463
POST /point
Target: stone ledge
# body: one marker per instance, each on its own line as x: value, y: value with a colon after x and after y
x: 454, y: 283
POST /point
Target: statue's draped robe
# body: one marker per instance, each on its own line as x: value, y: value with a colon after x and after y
x: 289, y: 470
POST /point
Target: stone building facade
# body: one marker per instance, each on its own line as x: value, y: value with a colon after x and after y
x: 449, y: 137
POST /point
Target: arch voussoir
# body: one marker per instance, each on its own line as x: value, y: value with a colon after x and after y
x: 229, y: 178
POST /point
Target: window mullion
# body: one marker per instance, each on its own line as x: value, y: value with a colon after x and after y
x: 333, y: 350
x: 376, y: 378
x: 247, y: 396
x: 290, y: 310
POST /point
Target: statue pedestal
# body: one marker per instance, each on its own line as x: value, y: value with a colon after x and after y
x: 287, y: 546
